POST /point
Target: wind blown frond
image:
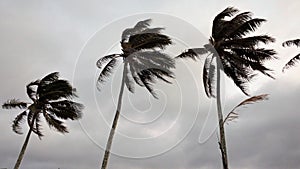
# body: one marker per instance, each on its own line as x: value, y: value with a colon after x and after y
x: 295, y: 42
x: 55, y: 123
x: 208, y: 77
x: 66, y: 109
x: 292, y: 62
x: 105, y: 59
x: 192, y: 53
x: 17, y: 122
x: 14, y: 103
x: 106, y: 72
x: 233, y: 115
x: 149, y: 41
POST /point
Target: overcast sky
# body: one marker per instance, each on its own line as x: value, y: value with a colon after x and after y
x: 178, y: 130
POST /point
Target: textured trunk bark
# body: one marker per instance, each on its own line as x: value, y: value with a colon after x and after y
x: 22, y: 152
x: 114, y: 124
x: 222, y: 143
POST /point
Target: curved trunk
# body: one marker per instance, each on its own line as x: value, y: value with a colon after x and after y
x: 114, y: 124
x: 22, y: 152
x: 222, y: 141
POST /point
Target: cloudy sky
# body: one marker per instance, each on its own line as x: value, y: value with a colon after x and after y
x: 178, y: 130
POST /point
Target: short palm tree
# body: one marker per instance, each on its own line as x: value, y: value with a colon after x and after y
x: 143, y: 64
x: 230, y: 50
x: 51, y: 98
x: 296, y: 58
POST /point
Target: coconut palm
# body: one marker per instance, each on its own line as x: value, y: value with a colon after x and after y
x: 230, y: 50
x: 296, y: 58
x: 143, y: 63
x: 51, y: 98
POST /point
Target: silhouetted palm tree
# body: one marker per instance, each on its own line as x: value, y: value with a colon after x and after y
x: 295, y: 59
x: 51, y: 98
x: 237, y: 55
x: 143, y: 64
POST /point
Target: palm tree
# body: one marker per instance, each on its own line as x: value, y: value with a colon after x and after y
x: 143, y: 64
x: 51, y: 98
x: 236, y: 54
x: 293, y: 61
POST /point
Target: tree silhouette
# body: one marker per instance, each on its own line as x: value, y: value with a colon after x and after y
x: 143, y: 64
x: 296, y: 58
x: 51, y: 98
x: 230, y: 50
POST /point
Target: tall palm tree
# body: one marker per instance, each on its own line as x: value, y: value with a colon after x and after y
x: 296, y: 58
x: 51, y: 98
x: 230, y: 50
x: 143, y: 64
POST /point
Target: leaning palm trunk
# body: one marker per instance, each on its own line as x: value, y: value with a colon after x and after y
x: 114, y: 124
x: 222, y: 141
x: 22, y: 152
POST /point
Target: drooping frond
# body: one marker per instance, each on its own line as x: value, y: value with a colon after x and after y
x: 239, y: 79
x: 193, y: 53
x: 105, y: 59
x: 146, y: 66
x: 55, y: 123
x: 14, y: 103
x: 149, y: 41
x: 37, y: 128
x: 66, y: 109
x: 295, y: 42
x: 106, y: 72
x: 128, y: 78
x: 292, y: 62
x: 208, y: 77
x: 233, y: 115
x: 16, y: 126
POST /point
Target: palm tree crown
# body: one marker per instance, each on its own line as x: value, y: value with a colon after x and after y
x: 296, y: 58
x: 229, y: 44
x: 143, y: 63
x: 51, y: 98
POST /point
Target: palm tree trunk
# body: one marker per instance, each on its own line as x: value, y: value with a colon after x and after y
x: 22, y: 152
x: 114, y: 124
x: 222, y: 141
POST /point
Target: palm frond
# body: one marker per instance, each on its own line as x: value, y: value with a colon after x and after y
x: 16, y: 126
x: 56, y: 90
x: 208, y: 77
x: 149, y: 41
x: 291, y: 63
x: 233, y: 115
x: 50, y: 78
x: 138, y: 28
x: 192, y: 53
x: 219, y: 21
x: 128, y: 78
x: 248, y: 42
x: 105, y: 59
x: 66, y: 109
x: 247, y: 27
x: 55, y: 123
x: 37, y: 128
x: 106, y: 72
x: 147, y: 79
x: 31, y: 91
x: 14, y: 103
x: 295, y: 42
